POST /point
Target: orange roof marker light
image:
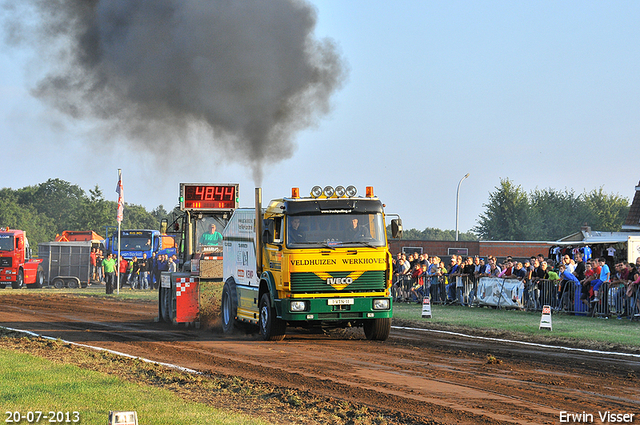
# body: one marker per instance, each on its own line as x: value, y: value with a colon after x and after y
x: 295, y: 192
x: 369, y: 191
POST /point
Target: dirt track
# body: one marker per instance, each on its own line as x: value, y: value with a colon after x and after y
x: 424, y: 377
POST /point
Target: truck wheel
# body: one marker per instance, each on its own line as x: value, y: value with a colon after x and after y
x: 39, y: 279
x: 58, y: 283
x: 2, y: 286
x: 271, y: 328
x: 19, y: 283
x: 229, y: 306
x: 377, y: 329
x: 73, y: 284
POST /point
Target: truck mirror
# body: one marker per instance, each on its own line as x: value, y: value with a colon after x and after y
x: 396, y: 228
x: 266, y: 236
x: 19, y: 243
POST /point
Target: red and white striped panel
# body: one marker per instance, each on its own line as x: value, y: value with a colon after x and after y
x: 182, y: 283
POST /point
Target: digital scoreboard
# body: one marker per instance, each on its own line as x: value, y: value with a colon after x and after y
x: 208, y: 197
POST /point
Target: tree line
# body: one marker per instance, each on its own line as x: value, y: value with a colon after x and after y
x: 47, y: 209
x: 511, y: 214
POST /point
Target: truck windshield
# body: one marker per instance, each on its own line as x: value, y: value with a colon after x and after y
x: 6, y: 242
x: 208, y: 234
x: 335, y: 230
x: 135, y: 243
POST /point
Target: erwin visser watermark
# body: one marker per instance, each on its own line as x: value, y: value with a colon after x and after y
x: 605, y: 417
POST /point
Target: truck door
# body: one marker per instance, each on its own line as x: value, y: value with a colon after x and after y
x: 19, y: 249
x: 273, y: 240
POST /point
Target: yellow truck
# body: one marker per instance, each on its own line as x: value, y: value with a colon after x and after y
x: 317, y: 261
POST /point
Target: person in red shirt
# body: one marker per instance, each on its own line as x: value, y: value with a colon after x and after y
x: 92, y: 262
x: 123, y: 267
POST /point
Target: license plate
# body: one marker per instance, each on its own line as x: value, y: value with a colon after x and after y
x: 340, y: 301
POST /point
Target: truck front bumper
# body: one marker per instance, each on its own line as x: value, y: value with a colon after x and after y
x: 334, y: 309
x: 7, y: 277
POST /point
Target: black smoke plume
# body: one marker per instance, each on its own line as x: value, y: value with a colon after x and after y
x: 245, y: 74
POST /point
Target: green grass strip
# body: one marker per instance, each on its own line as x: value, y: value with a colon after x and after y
x: 607, y: 331
x: 30, y: 383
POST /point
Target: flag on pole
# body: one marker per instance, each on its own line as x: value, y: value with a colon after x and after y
x: 120, y: 192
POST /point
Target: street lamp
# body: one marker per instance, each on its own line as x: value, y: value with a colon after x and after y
x: 457, y: 201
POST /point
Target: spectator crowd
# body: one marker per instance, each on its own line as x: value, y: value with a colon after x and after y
x: 571, y: 284
x: 137, y: 273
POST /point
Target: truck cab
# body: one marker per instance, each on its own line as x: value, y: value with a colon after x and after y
x: 16, y: 265
x: 134, y: 243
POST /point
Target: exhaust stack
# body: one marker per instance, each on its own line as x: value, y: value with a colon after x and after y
x: 258, y: 229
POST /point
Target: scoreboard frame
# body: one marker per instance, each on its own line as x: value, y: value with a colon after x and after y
x: 209, y: 197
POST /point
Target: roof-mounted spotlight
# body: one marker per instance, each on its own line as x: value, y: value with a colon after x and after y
x: 351, y: 191
x: 328, y: 191
x: 340, y: 191
x: 316, y: 192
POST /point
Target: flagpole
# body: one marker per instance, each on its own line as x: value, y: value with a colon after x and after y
x: 120, y: 199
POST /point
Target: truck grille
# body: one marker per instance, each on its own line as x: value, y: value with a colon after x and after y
x: 6, y: 261
x: 370, y: 281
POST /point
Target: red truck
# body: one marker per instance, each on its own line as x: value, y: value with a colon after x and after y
x: 16, y: 265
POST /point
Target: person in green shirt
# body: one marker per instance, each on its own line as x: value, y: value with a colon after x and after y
x: 212, y: 237
x: 109, y: 271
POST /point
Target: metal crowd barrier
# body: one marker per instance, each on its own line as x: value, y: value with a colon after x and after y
x: 562, y: 296
x: 614, y: 301
x: 442, y: 289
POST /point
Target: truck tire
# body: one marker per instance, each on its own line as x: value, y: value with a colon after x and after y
x: 271, y: 328
x: 229, y: 307
x: 39, y: 279
x: 19, y: 283
x: 58, y: 283
x: 73, y: 284
x: 377, y: 329
x: 2, y: 286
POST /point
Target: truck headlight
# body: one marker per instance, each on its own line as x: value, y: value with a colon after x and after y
x: 298, y: 306
x: 381, y: 304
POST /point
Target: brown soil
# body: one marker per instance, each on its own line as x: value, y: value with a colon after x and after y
x: 333, y: 377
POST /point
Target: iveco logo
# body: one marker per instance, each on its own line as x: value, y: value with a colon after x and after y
x: 339, y: 281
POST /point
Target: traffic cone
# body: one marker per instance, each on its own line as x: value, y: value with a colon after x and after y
x: 426, y: 308
x: 545, y: 320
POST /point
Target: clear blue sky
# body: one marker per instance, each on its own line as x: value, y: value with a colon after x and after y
x: 544, y: 93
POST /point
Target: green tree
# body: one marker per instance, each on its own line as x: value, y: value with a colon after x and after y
x: 136, y: 217
x: 433, y: 234
x: 55, y: 198
x: 548, y: 214
x: 95, y: 213
x: 507, y: 215
x: 606, y: 212
x: 555, y: 214
x: 39, y: 227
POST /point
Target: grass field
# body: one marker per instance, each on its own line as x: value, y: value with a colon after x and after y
x: 33, y: 384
